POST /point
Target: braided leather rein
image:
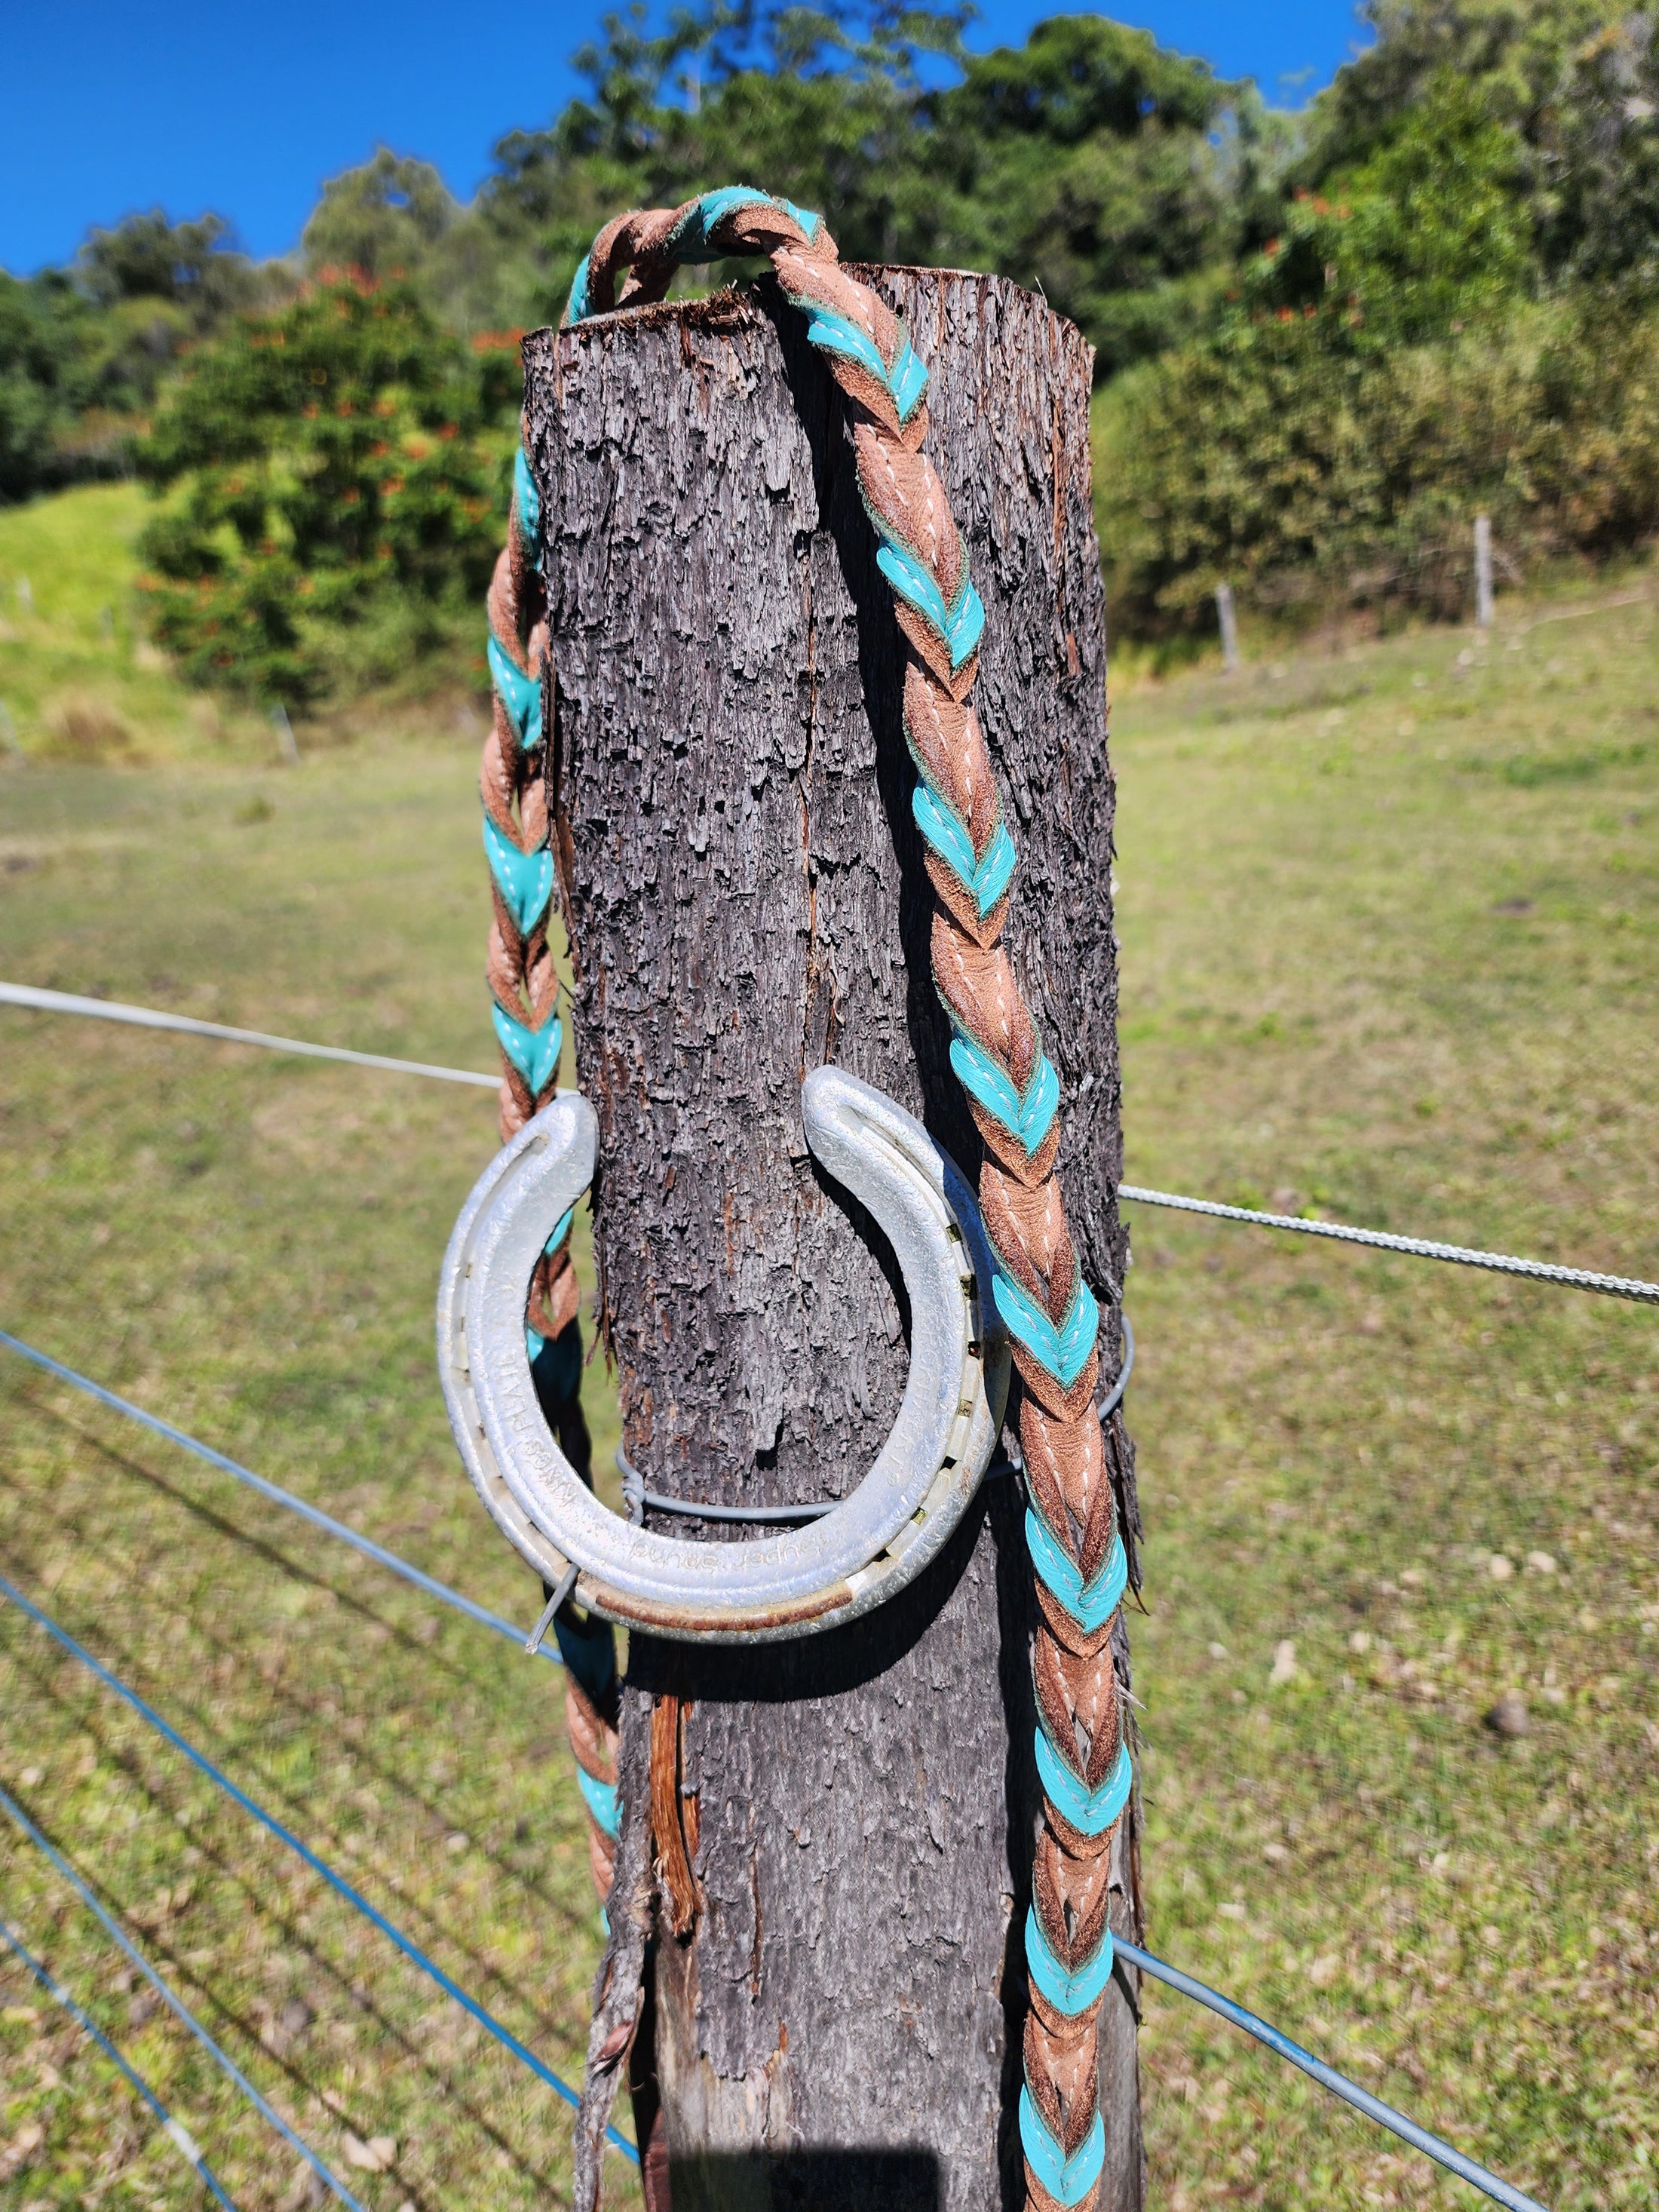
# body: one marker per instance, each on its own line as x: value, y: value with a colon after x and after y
x: 1012, y: 1091
x: 524, y: 989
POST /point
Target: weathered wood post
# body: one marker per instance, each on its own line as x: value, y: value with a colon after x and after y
x: 1483, y: 596
x: 823, y: 1871
x: 1227, y: 620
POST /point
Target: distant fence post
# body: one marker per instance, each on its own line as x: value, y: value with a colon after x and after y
x: 1229, y: 621
x: 285, y: 739
x: 1483, y: 571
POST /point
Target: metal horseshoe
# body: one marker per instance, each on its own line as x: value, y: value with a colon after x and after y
x: 818, y: 1575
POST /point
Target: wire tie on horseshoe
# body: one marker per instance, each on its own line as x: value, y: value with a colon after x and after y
x: 638, y: 1499
x: 561, y: 1591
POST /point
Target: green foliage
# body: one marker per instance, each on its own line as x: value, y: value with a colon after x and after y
x: 83, y: 351
x: 395, y: 217
x: 190, y: 264
x: 1299, y: 470
x: 1605, y: 215
x: 338, y: 474
x: 382, y: 220
x: 1084, y: 162
x: 1314, y: 314
x: 1092, y: 161
x: 1452, y: 313
x: 1574, y: 84
x: 824, y: 106
x: 42, y: 381
x: 1427, y: 235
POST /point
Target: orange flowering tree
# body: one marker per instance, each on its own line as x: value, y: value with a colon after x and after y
x: 331, y: 472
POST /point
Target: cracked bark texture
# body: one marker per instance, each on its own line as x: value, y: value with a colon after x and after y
x: 745, y: 895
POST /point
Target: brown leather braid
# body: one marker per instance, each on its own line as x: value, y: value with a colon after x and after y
x: 524, y: 982
x: 1061, y: 1434
x: 593, y: 1740
x: 523, y: 979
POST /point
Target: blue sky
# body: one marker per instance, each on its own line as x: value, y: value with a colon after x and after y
x: 106, y: 106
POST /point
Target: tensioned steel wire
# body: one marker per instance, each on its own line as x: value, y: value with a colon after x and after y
x: 170, y: 1997
x: 175, y: 2130
x: 276, y: 1494
x: 410, y: 1950
x: 1619, y: 1286
x: 1432, y: 2146
x: 1491, y: 2184
x: 155, y: 1017
x: 1499, y: 2190
x: 1340, y: 1232
x: 1416, y: 1248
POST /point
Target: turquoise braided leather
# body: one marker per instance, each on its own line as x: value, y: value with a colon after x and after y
x: 601, y: 1802
x: 939, y: 824
x: 524, y: 880
x: 1068, y: 1992
x: 520, y: 693
x: 534, y: 1341
x: 1093, y: 1606
x: 1029, y: 1118
x: 1063, y: 1350
x: 905, y: 379
x: 1067, y: 2180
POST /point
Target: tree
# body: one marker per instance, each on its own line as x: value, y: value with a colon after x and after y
x: 43, y: 381
x: 336, y: 470
x: 1428, y: 235
x: 382, y: 220
x: 1604, y: 223
x: 84, y: 350
x: 825, y: 104
x: 1090, y: 161
x: 1513, y: 54
x: 195, y: 265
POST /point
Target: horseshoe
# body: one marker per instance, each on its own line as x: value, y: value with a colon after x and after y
x: 818, y: 1575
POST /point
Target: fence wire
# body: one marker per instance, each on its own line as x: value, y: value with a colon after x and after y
x: 276, y: 1494
x: 175, y: 2130
x: 1416, y: 1248
x: 1490, y: 2184
x: 320, y: 1867
x: 170, y: 1997
x: 1432, y: 2146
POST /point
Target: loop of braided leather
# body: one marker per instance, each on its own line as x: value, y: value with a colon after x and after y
x: 1014, y: 1095
x: 524, y: 985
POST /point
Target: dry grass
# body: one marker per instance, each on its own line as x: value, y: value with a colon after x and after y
x: 1391, y: 927
x: 251, y: 1245
x: 1390, y: 923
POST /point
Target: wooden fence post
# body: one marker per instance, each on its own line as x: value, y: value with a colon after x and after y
x: 1229, y: 621
x: 1483, y: 599
x: 828, y: 1917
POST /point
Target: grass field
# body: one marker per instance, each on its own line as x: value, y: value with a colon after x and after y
x: 81, y: 684
x: 78, y: 681
x: 1391, y: 940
